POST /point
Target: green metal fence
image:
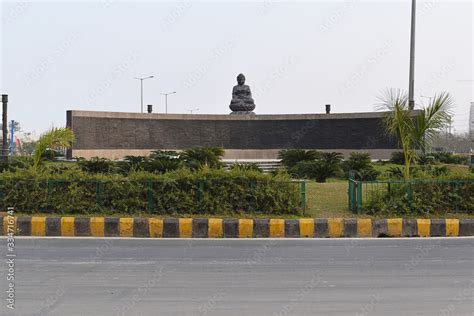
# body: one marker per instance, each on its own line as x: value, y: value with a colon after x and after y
x: 442, y: 195
x: 160, y: 197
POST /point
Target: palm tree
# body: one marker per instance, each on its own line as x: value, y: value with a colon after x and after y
x: 56, y: 138
x: 197, y: 157
x: 414, y: 130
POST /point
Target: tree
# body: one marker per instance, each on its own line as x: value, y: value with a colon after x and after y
x: 56, y: 138
x: 414, y: 131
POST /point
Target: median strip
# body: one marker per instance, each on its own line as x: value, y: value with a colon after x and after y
x: 237, y: 228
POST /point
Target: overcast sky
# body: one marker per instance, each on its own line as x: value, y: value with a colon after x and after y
x: 297, y: 57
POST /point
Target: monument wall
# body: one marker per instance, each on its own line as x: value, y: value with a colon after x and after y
x: 115, y: 134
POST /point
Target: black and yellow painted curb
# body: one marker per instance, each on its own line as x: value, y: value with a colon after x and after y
x: 234, y: 228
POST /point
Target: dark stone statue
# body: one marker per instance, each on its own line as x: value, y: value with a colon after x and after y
x: 242, y: 102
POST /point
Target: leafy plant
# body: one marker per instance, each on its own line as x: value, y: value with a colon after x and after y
x: 196, y: 158
x: 326, y: 165
x: 246, y: 167
x: 290, y: 157
x: 96, y: 165
x: 414, y: 131
x: 361, y: 165
x: 178, y: 193
x: 397, y: 157
x: 56, y: 138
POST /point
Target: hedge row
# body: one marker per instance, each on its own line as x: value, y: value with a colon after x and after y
x: 207, y: 191
x: 420, y: 197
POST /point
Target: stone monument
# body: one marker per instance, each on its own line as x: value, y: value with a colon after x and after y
x: 242, y: 102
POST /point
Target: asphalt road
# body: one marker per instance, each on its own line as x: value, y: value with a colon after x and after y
x: 241, y: 277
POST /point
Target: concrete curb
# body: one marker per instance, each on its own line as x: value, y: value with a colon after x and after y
x: 234, y: 228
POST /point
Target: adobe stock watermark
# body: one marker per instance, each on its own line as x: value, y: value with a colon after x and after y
x: 44, y: 65
x: 10, y: 257
x: 200, y: 71
x: 14, y: 13
x: 116, y: 72
x: 275, y: 76
x: 211, y: 303
x: 372, y: 60
x: 179, y: 10
x: 301, y: 294
x: 337, y: 16
x: 139, y: 293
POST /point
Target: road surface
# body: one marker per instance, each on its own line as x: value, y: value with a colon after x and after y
x: 87, y: 276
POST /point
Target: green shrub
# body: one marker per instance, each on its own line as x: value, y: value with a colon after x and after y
x: 397, y: 158
x: 325, y: 166
x: 421, y: 198
x: 206, y: 191
x: 196, y: 158
x: 290, y: 157
x: 246, y: 167
x: 361, y: 166
x: 96, y: 165
x: 162, y: 165
x: 450, y: 158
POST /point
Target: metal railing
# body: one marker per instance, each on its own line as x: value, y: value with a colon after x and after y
x: 452, y: 195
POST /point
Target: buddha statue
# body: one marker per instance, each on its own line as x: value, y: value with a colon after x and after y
x: 242, y: 102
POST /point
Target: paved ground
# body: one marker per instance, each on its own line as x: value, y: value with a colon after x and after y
x: 242, y: 277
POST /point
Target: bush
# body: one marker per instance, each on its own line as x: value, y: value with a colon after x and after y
x: 450, y: 158
x: 422, y: 198
x: 96, y: 165
x: 246, y: 167
x: 207, y: 191
x: 361, y: 166
x: 291, y: 157
x: 326, y: 165
x: 196, y: 158
x: 397, y: 158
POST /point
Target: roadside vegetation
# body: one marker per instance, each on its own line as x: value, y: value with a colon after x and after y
x: 416, y: 181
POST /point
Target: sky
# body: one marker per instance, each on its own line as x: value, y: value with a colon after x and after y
x: 297, y: 56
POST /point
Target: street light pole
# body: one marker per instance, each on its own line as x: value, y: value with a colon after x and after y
x: 411, y: 89
x: 141, y: 89
x: 166, y: 100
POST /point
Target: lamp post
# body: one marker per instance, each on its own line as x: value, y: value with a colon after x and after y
x: 192, y: 110
x: 166, y: 100
x: 411, y: 88
x: 141, y: 89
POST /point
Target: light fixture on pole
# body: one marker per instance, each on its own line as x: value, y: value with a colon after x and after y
x: 411, y: 86
x: 141, y: 89
x: 166, y: 100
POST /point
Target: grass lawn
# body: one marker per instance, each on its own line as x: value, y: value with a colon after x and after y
x: 326, y: 200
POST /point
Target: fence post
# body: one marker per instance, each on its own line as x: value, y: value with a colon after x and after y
x: 2, y: 188
x: 49, y: 184
x: 200, y: 190
x: 98, y: 192
x: 409, y: 194
x: 456, y: 191
x: 149, y: 195
x: 358, y: 185
x: 303, y: 195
